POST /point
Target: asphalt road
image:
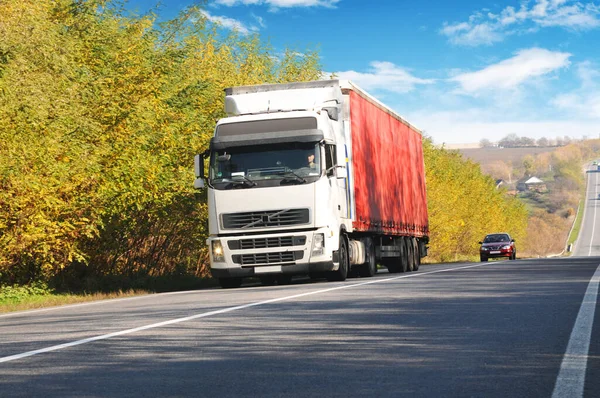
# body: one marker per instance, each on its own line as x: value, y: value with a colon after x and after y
x: 493, y: 329
x: 522, y: 328
x: 588, y: 243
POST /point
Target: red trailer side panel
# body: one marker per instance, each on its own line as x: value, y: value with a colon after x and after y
x: 389, y: 172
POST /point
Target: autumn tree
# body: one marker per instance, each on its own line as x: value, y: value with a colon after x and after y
x: 101, y: 113
x: 464, y: 205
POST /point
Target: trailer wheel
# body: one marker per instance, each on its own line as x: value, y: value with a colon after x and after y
x: 403, y: 260
x: 391, y: 264
x: 369, y: 268
x: 229, y: 283
x: 342, y: 273
x: 417, y: 257
x: 410, y: 255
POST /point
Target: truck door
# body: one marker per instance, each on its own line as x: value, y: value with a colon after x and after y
x: 338, y: 179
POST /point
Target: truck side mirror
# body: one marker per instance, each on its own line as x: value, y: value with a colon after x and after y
x: 199, y: 169
x: 340, y: 172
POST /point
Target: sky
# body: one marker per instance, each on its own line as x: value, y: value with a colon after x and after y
x: 461, y: 71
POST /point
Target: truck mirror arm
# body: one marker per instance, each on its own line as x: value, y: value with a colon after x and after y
x: 199, y: 169
x: 335, y: 168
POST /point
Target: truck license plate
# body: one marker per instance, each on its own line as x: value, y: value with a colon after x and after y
x: 264, y: 270
x: 495, y: 252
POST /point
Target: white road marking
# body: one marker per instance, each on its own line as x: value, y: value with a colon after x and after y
x: 594, y: 219
x: 222, y: 311
x: 571, y: 377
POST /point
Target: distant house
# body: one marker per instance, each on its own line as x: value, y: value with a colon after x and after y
x: 532, y: 184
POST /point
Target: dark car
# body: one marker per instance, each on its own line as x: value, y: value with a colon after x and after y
x: 497, y: 245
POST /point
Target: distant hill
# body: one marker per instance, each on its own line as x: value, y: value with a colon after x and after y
x: 515, y: 155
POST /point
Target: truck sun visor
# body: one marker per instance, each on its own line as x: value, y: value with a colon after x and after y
x: 260, y: 132
x: 280, y: 137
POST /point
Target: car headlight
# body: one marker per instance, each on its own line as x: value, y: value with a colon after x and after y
x: 217, y: 251
x: 318, y: 245
x: 484, y: 249
x: 506, y: 247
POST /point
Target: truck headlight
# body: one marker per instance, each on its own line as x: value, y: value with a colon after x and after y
x: 318, y: 244
x: 217, y: 251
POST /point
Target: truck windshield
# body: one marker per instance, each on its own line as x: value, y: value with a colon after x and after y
x: 289, y: 163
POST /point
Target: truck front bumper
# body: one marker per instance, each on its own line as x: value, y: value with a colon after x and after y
x: 295, y: 269
x: 282, y: 253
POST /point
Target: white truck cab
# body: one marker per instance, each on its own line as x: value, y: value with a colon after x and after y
x: 278, y: 190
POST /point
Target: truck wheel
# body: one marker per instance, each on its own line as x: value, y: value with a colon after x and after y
x: 417, y: 255
x: 342, y: 273
x: 391, y: 264
x: 403, y: 259
x: 229, y: 283
x: 410, y: 255
x: 369, y: 268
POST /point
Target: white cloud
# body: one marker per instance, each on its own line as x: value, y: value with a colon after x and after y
x: 230, y: 23
x: 384, y: 76
x: 513, y: 72
x: 589, y: 76
x: 487, y: 28
x: 456, y: 128
x: 275, y: 4
x: 260, y: 20
x: 585, y: 101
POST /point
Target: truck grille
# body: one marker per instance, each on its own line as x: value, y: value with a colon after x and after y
x: 268, y: 258
x: 265, y: 219
x: 266, y: 243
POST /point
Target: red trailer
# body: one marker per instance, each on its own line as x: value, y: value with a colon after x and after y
x: 389, y: 172
x: 388, y: 183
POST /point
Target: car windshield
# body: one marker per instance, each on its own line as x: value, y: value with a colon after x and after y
x: 496, y: 238
x: 287, y: 161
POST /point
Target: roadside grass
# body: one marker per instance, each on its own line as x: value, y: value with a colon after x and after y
x: 576, y: 226
x: 24, y: 298
x: 40, y: 295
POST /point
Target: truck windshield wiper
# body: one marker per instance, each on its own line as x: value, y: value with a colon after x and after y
x: 291, y: 174
x: 240, y: 179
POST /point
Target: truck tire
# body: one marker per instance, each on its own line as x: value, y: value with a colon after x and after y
x: 342, y: 272
x: 410, y: 255
x: 417, y: 255
x: 403, y: 260
x: 229, y: 283
x: 397, y: 265
x: 369, y: 268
